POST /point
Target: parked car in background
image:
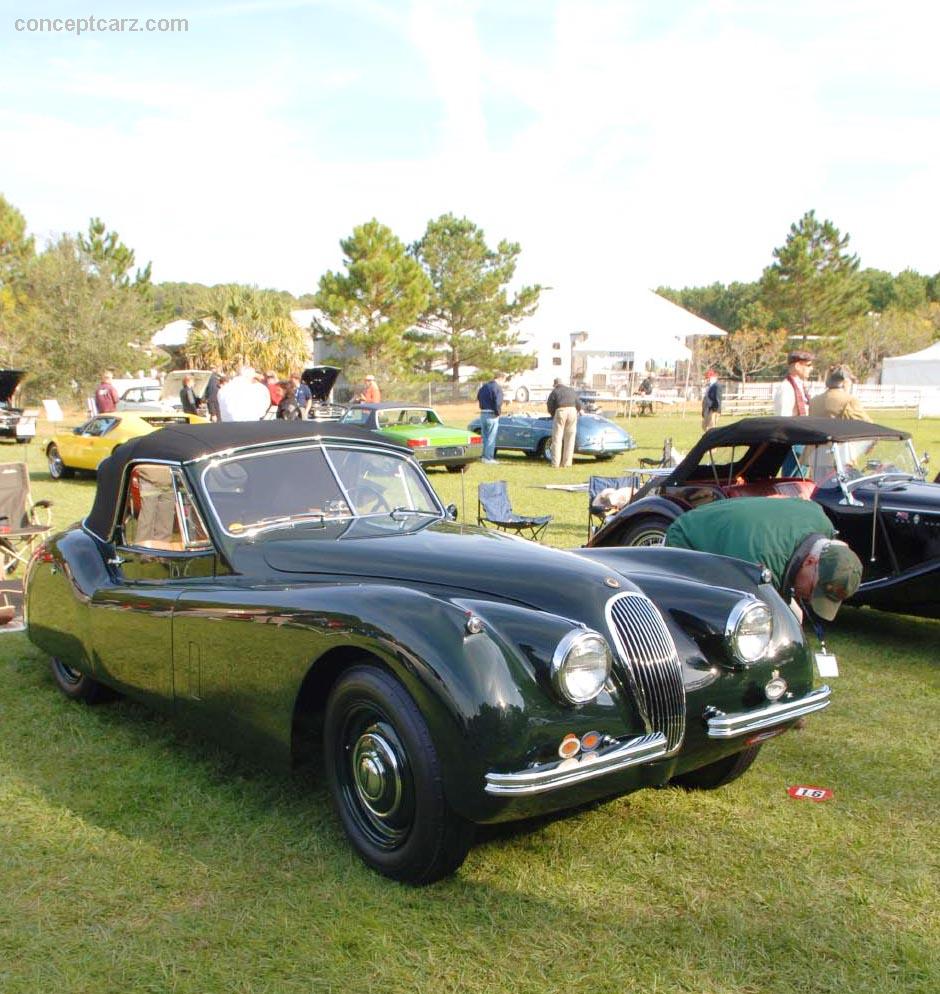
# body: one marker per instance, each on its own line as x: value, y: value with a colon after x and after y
x: 163, y: 397
x: 86, y: 446
x: 532, y: 434
x: 419, y: 428
x: 12, y: 421
x: 321, y: 380
x: 297, y: 590
x: 866, y: 477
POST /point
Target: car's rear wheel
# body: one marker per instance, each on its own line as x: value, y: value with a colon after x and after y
x: 57, y: 468
x: 386, y: 780
x: 77, y: 686
x: 719, y: 773
x: 462, y: 468
x: 522, y: 395
x: 649, y: 530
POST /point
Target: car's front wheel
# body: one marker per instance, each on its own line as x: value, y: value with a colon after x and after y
x: 57, y: 468
x: 77, y: 686
x: 650, y: 530
x: 386, y: 781
x: 720, y: 772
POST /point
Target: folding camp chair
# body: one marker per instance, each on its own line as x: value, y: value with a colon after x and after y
x: 598, y: 513
x: 494, y: 508
x: 20, y: 524
x: 667, y: 458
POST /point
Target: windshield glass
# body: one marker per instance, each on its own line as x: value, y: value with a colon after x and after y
x: 861, y: 459
x: 303, y: 486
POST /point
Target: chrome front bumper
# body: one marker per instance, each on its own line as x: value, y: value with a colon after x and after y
x: 729, y: 726
x: 565, y: 772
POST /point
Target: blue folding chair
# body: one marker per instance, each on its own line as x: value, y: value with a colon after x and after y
x: 494, y: 508
x: 598, y: 514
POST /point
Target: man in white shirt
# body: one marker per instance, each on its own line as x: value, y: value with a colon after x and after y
x: 791, y: 398
x: 244, y: 397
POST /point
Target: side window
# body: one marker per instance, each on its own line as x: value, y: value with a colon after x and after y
x: 159, y: 513
x: 99, y: 426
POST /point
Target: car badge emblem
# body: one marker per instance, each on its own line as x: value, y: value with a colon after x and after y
x: 611, y: 581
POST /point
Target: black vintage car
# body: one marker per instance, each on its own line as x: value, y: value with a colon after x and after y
x: 866, y: 477
x: 321, y: 380
x: 281, y: 584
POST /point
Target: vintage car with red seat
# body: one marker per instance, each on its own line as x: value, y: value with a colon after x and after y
x: 866, y: 477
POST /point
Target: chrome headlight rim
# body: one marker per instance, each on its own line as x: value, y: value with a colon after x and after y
x: 736, y: 619
x: 561, y: 656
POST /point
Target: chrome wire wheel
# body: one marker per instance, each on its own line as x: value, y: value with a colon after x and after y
x: 648, y: 537
x: 375, y: 777
x: 648, y: 531
x: 56, y: 466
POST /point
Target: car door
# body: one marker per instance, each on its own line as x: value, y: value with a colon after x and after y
x: 161, y: 548
x: 86, y: 448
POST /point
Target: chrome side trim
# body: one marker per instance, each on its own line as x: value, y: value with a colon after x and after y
x: 563, y: 773
x: 729, y: 726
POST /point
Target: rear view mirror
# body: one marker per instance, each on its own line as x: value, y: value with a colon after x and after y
x: 451, y: 512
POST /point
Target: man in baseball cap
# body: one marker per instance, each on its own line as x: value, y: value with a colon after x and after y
x: 829, y: 574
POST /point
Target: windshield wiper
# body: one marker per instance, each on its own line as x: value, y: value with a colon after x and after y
x: 277, y: 521
x: 411, y: 510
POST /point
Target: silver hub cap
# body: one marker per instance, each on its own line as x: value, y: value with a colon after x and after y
x: 377, y: 774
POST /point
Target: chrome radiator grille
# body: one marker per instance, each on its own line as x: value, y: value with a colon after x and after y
x: 651, y: 663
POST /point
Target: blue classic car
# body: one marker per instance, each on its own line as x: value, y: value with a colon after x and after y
x: 532, y: 434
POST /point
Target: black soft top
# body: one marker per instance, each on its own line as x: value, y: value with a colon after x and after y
x: 779, y: 433
x: 184, y: 443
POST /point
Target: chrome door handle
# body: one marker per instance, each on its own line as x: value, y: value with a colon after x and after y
x: 116, y: 561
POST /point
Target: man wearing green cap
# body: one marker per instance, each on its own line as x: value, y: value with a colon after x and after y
x: 793, y: 538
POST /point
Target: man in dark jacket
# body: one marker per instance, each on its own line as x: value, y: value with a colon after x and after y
x: 793, y: 538
x: 188, y: 397
x: 490, y: 399
x: 711, y: 401
x: 563, y: 405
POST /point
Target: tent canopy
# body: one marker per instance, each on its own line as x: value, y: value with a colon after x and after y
x: 918, y: 369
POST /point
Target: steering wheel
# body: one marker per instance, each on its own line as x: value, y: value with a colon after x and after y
x: 368, y: 498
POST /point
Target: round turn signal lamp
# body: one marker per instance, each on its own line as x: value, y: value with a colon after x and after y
x: 570, y: 746
x: 590, y: 741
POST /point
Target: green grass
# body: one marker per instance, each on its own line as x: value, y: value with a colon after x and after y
x: 136, y: 858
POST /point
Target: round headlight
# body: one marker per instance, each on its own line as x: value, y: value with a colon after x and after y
x: 581, y: 666
x: 749, y: 630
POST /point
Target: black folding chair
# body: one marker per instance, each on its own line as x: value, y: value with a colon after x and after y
x: 598, y: 513
x: 494, y: 508
x: 20, y: 524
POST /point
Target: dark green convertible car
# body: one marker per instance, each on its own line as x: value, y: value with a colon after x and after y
x: 299, y: 591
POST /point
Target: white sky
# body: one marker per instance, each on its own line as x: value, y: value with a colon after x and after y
x: 621, y: 143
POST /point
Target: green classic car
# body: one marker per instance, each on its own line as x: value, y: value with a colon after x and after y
x: 299, y: 591
x: 419, y: 428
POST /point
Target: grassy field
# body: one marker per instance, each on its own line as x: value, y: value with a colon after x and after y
x: 135, y: 858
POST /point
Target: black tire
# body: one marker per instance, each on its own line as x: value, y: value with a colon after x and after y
x: 521, y: 395
x: 462, y: 468
x: 544, y: 449
x: 23, y: 441
x: 57, y: 469
x: 75, y: 685
x: 604, y: 456
x: 719, y: 773
x: 648, y: 530
x: 385, y: 780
